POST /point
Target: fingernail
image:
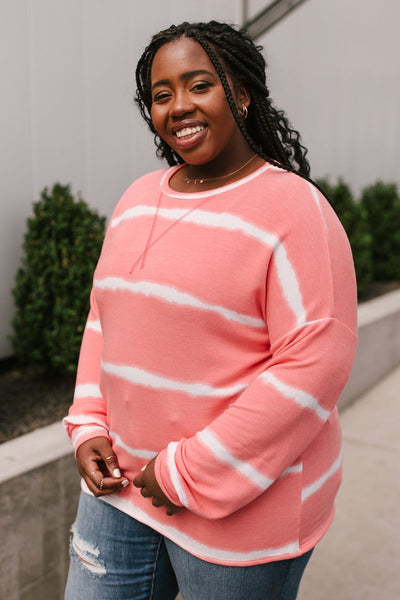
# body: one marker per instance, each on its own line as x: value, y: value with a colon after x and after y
x: 125, y: 483
x: 116, y: 473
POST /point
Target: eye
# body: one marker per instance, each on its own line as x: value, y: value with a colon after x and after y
x: 161, y: 97
x: 201, y: 86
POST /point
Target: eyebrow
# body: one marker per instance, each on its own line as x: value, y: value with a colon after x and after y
x: 186, y: 75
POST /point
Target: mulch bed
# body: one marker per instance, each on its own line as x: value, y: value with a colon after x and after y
x: 31, y: 398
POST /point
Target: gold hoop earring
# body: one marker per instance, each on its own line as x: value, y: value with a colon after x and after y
x: 243, y: 112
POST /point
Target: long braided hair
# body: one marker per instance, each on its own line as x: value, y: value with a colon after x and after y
x: 267, y: 130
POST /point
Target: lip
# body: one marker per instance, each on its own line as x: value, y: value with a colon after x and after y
x: 192, y: 140
x: 187, y: 123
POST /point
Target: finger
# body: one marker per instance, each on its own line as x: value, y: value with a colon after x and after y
x: 103, y: 486
x: 111, y: 462
x: 139, y: 480
x: 145, y: 493
x: 157, y: 503
x: 172, y: 510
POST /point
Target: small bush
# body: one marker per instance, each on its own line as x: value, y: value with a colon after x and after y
x: 381, y: 202
x: 52, y: 285
x: 354, y: 220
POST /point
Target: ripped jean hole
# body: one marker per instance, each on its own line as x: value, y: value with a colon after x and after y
x: 86, y: 554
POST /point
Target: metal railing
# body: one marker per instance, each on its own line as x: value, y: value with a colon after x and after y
x: 269, y: 16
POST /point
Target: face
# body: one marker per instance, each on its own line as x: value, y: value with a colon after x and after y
x: 189, y: 108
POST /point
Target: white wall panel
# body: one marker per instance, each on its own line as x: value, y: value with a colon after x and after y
x: 334, y: 67
x: 57, y: 92
x: 66, y: 109
x: 15, y: 149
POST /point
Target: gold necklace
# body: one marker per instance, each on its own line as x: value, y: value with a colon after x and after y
x: 188, y: 180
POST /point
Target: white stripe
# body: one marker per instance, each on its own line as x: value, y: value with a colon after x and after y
x: 314, y: 487
x: 174, y: 296
x: 83, y: 431
x: 293, y: 469
x: 289, y: 284
x: 190, y: 544
x: 315, y: 195
x: 286, y: 273
x: 214, y: 445
x: 94, y: 325
x: 146, y: 378
x: 173, y: 473
x: 140, y: 453
x: 133, y: 213
x: 87, y: 390
x: 84, y: 420
x: 298, y: 396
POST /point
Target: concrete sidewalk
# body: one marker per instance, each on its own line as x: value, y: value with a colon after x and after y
x: 359, y: 558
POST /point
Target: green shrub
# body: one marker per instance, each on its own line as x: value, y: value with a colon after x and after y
x: 354, y: 220
x: 381, y: 203
x: 52, y: 285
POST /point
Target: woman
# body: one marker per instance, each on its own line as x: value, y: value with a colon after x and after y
x: 222, y: 330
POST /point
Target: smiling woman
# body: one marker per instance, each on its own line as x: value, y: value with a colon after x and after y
x: 204, y: 417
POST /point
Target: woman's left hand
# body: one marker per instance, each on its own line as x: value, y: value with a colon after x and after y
x: 146, y: 480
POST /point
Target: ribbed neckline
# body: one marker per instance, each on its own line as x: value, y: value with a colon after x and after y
x: 168, y: 191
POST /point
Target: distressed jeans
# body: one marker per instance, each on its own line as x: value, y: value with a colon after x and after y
x: 115, y: 557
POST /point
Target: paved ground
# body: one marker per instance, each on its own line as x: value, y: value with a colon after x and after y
x: 359, y: 559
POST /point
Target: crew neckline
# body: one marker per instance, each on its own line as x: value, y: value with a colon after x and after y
x: 168, y: 191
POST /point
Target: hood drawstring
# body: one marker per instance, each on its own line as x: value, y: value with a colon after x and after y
x: 142, y: 256
x: 150, y: 242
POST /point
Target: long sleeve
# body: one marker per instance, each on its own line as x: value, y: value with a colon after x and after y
x: 310, y: 314
x: 87, y: 417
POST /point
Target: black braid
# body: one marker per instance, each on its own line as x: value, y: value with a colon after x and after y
x: 231, y: 51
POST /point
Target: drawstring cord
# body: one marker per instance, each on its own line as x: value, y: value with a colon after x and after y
x: 150, y: 242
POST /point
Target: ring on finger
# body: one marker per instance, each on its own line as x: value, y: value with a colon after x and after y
x: 101, y: 484
x: 111, y: 457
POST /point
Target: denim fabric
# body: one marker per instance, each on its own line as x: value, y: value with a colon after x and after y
x: 115, y: 557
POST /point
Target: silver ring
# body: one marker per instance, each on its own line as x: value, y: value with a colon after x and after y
x: 101, y: 484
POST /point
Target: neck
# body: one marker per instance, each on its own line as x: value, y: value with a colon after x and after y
x: 217, y: 170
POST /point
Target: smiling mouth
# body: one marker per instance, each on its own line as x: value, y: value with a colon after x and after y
x: 188, y: 131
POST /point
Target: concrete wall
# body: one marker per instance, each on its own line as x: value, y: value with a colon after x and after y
x: 39, y: 485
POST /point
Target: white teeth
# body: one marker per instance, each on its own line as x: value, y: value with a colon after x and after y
x: 188, y: 131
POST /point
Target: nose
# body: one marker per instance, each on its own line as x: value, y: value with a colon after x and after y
x: 181, y: 104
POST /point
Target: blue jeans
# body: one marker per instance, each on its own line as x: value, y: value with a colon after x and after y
x: 115, y: 557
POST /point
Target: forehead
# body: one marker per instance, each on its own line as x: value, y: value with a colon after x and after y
x: 179, y: 56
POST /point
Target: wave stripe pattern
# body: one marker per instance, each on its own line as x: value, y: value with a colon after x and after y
x: 172, y: 295
x: 299, y: 396
x: 87, y: 390
x: 138, y: 452
x: 286, y: 272
x: 94, y: 326
x: 222, y: 453
x: 317, y: 485
x: 139, y: 376
x: 84, y: 432
x: 173, y: 471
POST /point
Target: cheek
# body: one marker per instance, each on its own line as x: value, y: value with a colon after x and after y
x: 155, y: 114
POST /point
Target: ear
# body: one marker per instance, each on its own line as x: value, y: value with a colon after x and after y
x: 242, y: 96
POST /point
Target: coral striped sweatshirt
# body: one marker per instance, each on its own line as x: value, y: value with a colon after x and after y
x: 221, y: 333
